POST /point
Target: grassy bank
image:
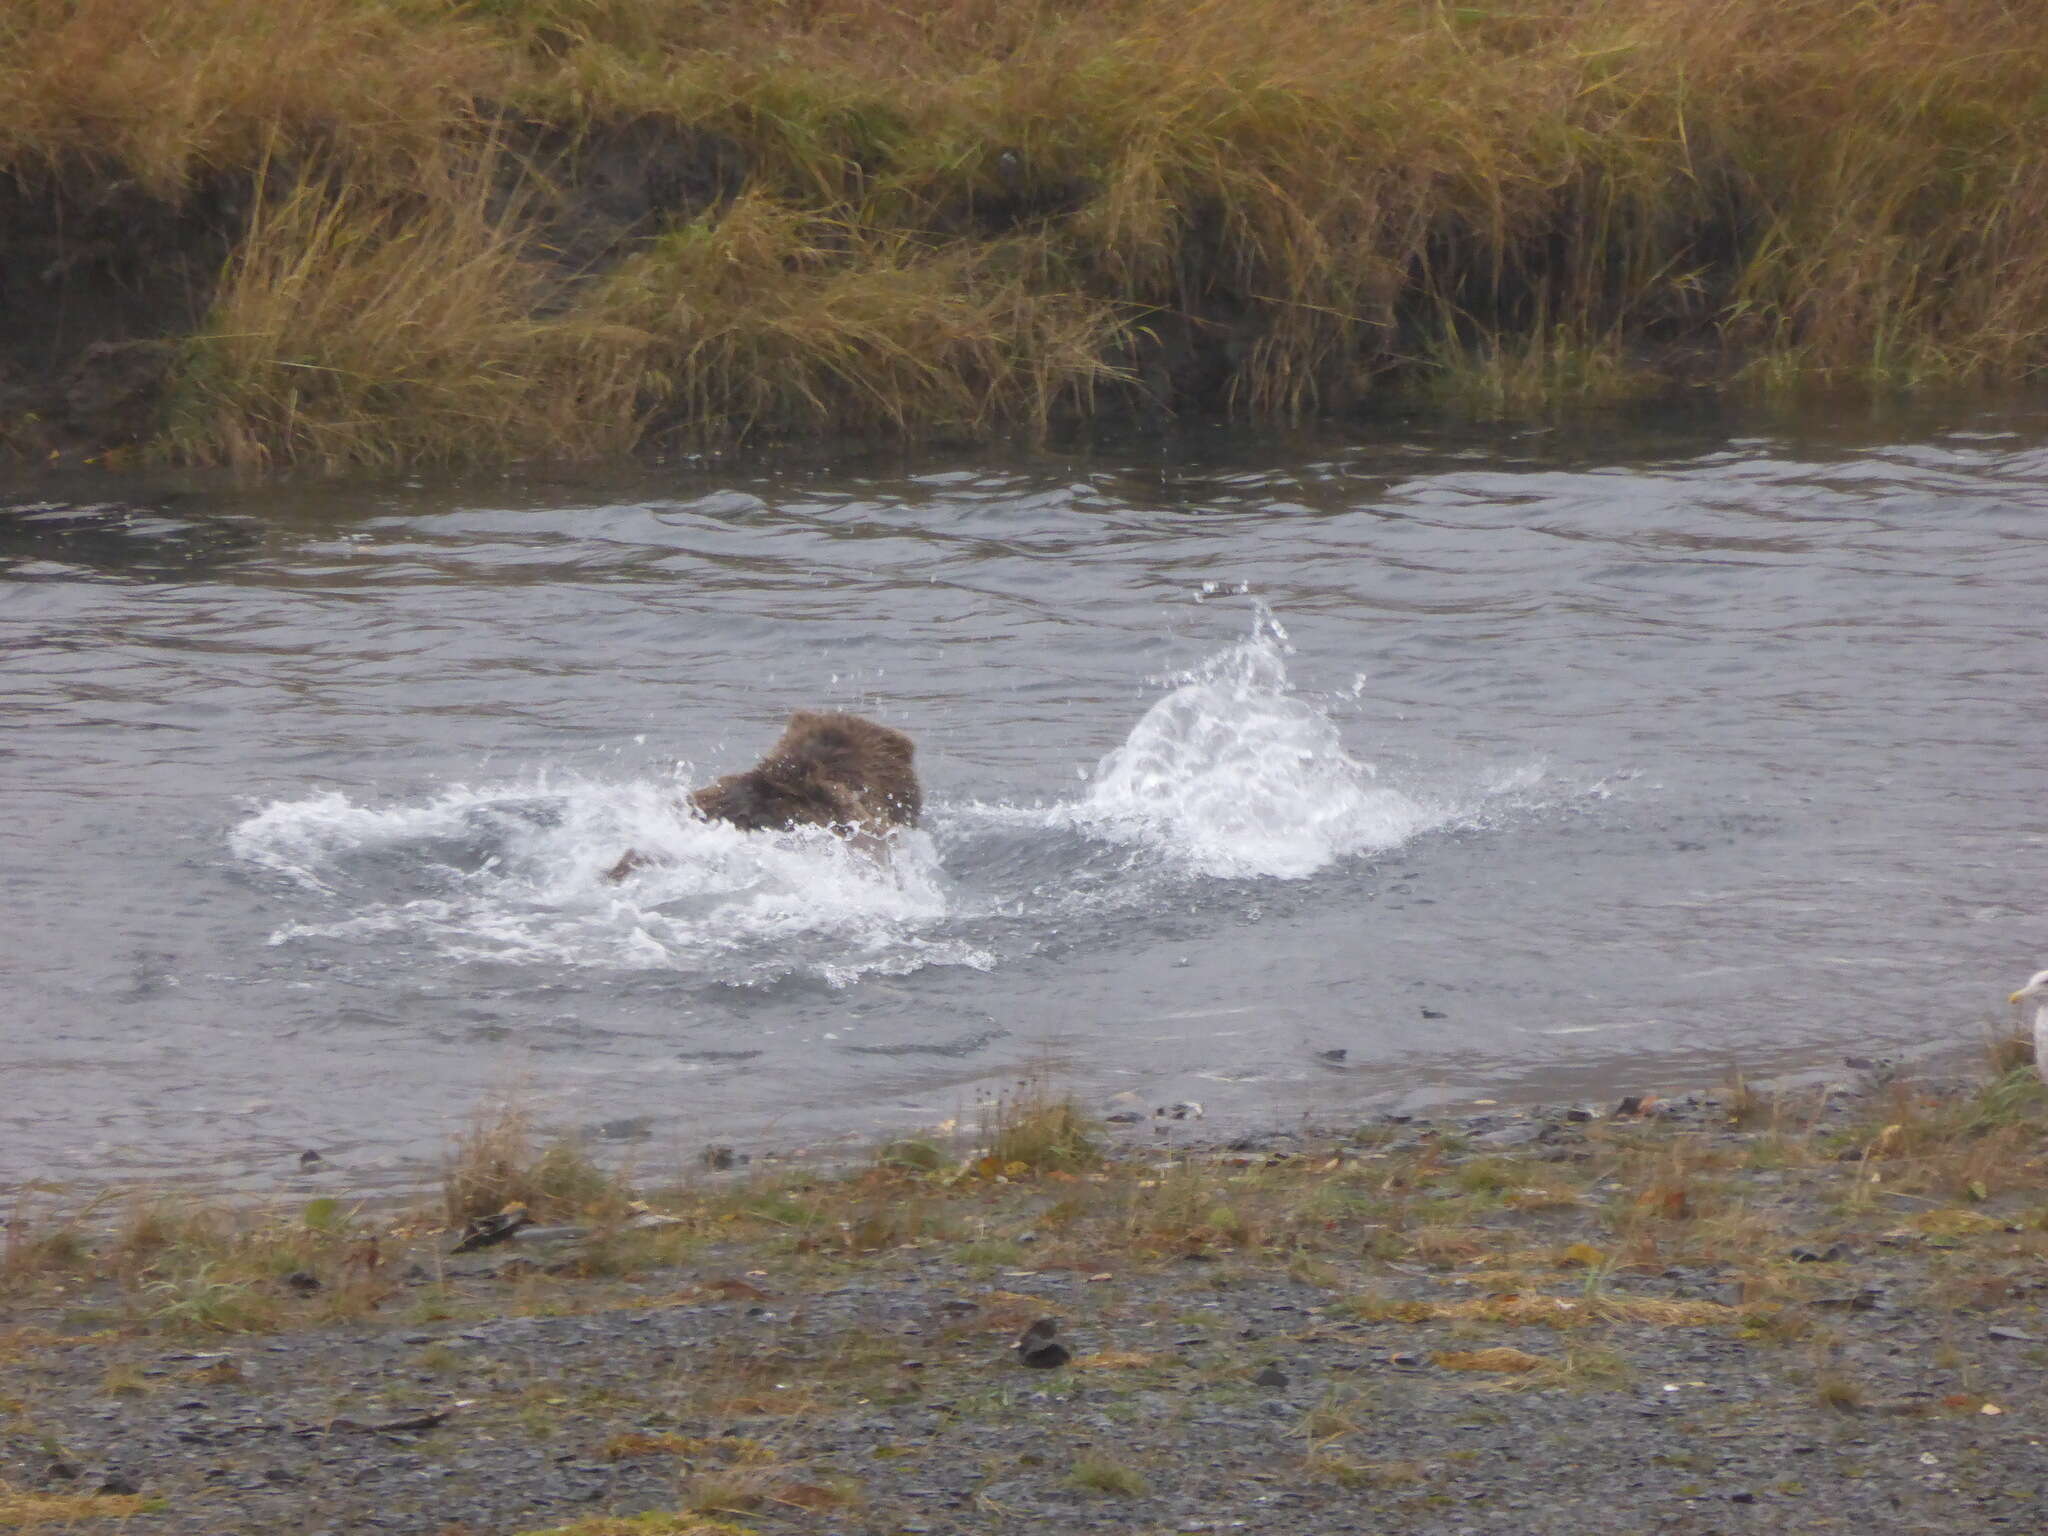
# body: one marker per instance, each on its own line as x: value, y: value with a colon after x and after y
x: 379, y: 230
x: 1612, y: 1322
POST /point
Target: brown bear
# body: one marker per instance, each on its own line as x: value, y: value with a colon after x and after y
x: 828, y: 770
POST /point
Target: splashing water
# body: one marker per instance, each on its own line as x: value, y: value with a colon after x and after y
x: 1235, y: 776
x: 1230, y: 775
x: 516, y: 873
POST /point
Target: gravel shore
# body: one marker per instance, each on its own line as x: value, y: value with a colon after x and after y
x: 1823, y: 1318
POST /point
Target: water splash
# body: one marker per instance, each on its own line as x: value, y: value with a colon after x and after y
x: 1232, y: 774
x: 1236, y: 776
x: 516, y: 874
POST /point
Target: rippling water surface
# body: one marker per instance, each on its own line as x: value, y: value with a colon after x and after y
x: 1506, y: 766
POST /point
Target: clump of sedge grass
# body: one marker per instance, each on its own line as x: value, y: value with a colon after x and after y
x: 1030, y: 1128
x: 1747, y: 1109
x: 353, y: 328
x: 2009, y: 1052
x: 33, y: 1246
x: 1968, y: 1144
x: 495, y: 1163
x: 1360, y: 1472
x: 1098, y: 1473
x: 1834, y: 1390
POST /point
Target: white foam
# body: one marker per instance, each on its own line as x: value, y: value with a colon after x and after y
x: 516, y: 873
x: 1236, y: 776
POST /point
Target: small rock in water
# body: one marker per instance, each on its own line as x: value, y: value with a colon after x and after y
x: 1332, y: 1056
x: 718, y: 1159
x: 309, y: 1160
x: 1431, y: 1013
x: 1187, y: 1109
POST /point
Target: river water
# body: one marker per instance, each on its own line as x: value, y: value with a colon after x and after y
x: 1507, y: 765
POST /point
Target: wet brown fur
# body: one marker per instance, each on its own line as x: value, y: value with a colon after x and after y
x: 829, y: 770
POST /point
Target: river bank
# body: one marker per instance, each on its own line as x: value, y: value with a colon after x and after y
x: 347, y: 232
x: 1720, y: 1314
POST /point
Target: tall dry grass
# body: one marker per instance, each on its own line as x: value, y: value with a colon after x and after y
x: 974, y: 215
x: 354, y: 327
x: 771, y: 315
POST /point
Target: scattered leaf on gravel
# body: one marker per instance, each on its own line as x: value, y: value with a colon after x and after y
x: 1956, y: 1223
x: 808, y: 1496
x: 633, y: 1445
x: 29, y: 1511
x: 1554, y: 1311
x: 1503, y: 1358
x: 1113, y: 1360
x: 734, y: 1289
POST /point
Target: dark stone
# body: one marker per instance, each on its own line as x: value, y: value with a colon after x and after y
x: 1039, y: 1349
x: 488, y: 1231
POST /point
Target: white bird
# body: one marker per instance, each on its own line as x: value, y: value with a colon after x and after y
x: 2036, y: 992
